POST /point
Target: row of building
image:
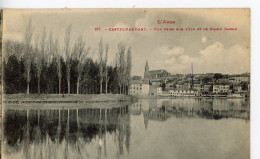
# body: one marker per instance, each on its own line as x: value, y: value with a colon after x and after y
x: 162, y: 74
x: 143, y: 87
x: 157, y: 82
x: 139, y: 87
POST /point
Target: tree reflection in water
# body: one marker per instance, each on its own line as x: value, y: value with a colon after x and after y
x: 106, y: 133
x: 66, y: 133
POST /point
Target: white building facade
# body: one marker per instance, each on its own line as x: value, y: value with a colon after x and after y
x: 155, y: 90
x: 183, y: 92
x: 221, y: 89
x: 139, y: 87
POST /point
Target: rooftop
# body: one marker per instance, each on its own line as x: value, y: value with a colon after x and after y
x: 139, y: 82
x: 183, y: 89
x: 157, y: 71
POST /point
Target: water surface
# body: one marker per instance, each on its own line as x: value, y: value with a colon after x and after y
x: 147, y: 128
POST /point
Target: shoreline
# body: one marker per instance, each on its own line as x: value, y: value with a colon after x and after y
x: 90, y: 98
x: 62, y: 106
x: 194, y: 97
x: 64, y: 98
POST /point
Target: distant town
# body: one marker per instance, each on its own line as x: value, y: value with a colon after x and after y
x: 162, y: 83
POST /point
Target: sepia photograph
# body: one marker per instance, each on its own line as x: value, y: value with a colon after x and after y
x: 125, y: 83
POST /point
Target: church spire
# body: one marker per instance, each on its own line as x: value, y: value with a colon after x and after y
x: 146, y: 70
x: 146, y: 66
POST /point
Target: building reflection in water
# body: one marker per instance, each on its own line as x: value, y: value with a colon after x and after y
x: 67, y: 133
x: 105, y: 132
x: 162, y: 109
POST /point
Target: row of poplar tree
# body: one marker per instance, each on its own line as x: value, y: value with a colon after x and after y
x: 46, y: 66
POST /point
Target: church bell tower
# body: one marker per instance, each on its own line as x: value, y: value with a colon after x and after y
x: 146, y: 69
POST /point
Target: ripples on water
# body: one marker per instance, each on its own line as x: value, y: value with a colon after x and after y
x: 148, y: 128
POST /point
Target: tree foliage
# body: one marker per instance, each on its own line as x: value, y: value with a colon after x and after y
x: 46, y: 66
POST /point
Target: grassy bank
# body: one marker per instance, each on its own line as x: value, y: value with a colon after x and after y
x: 66, y: 98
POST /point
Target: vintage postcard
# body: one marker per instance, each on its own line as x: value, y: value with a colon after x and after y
x: 125, y: 83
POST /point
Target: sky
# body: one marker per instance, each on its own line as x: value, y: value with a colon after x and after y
x: 209, y: 51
